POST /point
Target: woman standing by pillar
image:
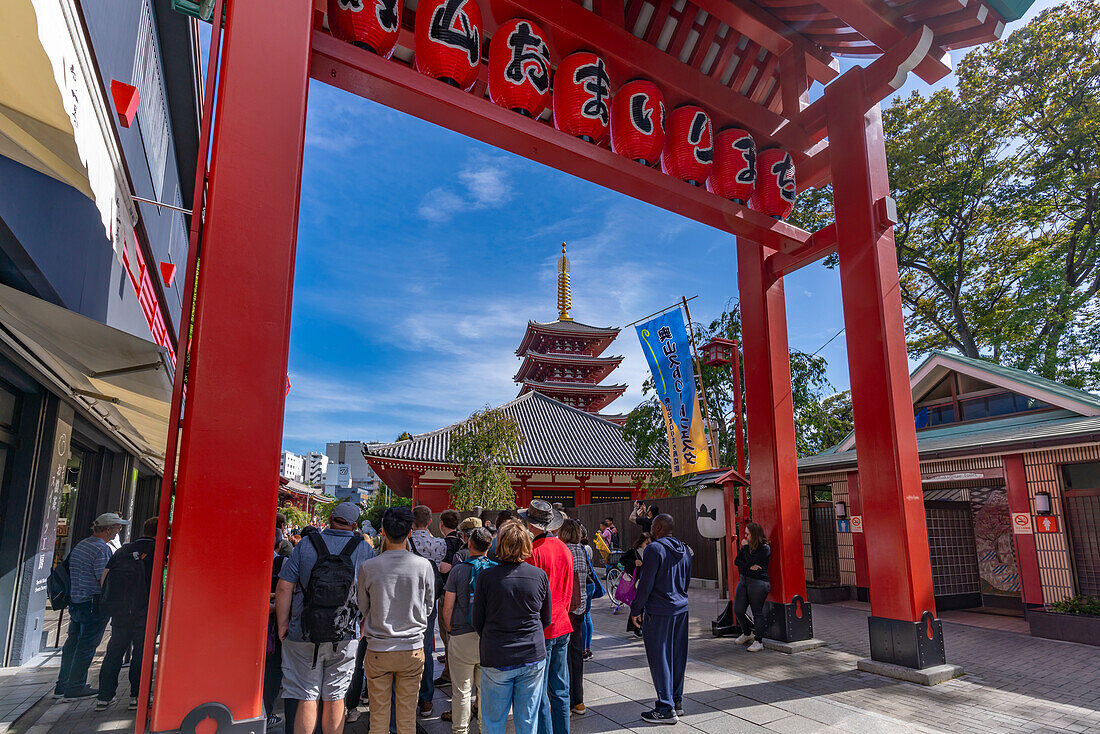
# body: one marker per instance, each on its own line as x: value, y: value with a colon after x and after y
x: 752, y: 562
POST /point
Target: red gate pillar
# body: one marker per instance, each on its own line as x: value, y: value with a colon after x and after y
x: 859, y: 540
x: 1027, y: 557
x: 903, y: 626
x: 216, y: 606
x: 772, y: 453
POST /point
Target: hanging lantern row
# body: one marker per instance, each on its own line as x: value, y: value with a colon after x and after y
x: 447, y: 36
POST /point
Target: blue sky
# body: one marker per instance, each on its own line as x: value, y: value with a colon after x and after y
x: 422, y: 254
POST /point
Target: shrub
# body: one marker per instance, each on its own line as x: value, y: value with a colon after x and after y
x: 1080, y: 604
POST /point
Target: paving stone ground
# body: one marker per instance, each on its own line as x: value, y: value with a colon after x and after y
x: 1013, y: 683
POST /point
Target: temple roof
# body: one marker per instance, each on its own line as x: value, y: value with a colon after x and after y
x: 566, y: 328
x: 606, y: 364
x: 582, y: 387
x: 557, y: 436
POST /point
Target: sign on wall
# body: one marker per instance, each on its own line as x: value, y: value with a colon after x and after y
x: 856, y: 522
x: 1046, y: 524
x: 1021, y: 523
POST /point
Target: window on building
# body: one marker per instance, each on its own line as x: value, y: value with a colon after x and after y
x: 1082, y: 476
x: 932, y: 411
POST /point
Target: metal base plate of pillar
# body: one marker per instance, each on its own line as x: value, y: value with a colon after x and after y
x: 791, y: 648
x: 926, y: 676
x: 916, y: 645
x: 726, y: 624
x: 788, y: 622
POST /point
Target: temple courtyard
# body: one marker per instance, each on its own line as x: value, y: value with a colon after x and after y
x: 1013, y: 683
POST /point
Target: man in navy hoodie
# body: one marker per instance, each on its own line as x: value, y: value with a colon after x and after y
x: 662, y: 597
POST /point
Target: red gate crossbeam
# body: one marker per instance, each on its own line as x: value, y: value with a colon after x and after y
x: 750, y: 20
x: 822, y: 243
x: 885, y: 27
x: 400, y: 87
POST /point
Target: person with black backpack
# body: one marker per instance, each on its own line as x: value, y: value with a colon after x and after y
x: 125, y: 600
x: 317, y: 615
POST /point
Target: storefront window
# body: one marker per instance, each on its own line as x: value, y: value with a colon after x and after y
x: 67, y: 509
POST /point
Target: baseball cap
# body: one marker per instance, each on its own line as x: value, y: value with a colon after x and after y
x: 107, y: 519
x: 470, y: 523
x: 347, y: 512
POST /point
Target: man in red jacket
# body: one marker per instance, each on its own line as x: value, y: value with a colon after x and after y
x: 551, y: 555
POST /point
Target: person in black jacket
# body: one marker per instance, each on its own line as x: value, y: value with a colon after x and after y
x: 752, y: 563
x: 513, y: 647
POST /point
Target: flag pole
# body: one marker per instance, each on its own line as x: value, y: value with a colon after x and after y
x: 712, y: 449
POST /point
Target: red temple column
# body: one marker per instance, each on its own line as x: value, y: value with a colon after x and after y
x: 772, y: 454
x: 1019, y: 504
x: 903, y: 626
x: 416, y: 486
x: 584, y: 494
x: 523, y: 497
x: 859, y: 541
x: 233, y: 425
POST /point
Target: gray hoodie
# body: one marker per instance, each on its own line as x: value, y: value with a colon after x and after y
x: 396, y: 595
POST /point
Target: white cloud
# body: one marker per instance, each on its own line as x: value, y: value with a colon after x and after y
x: 485, y: 185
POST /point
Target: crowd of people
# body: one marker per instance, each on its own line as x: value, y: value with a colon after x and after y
x: 354, y: 611
x: 354, y: 619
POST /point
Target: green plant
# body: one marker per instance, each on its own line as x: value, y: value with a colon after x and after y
x: 482, y: 446
x: 378, y: 506
x: 1080, y: 604
x: 295, y: 517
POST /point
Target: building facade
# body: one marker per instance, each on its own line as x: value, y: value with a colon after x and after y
x: 316, y: 468
x: 292, y: 466
x: 348, y: 475
x: 102, y: 111
x: 1010, y: 467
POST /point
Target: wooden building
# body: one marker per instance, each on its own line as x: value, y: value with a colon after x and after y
x: 1010, y: 467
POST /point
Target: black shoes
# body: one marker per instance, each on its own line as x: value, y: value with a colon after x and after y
x: 80, y: 694
x: 660, y: 717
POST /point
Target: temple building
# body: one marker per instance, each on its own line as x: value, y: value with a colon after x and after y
x: 572, y: 454
x: 562, y: 359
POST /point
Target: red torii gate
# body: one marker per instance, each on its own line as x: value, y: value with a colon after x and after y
x: 212, y: 642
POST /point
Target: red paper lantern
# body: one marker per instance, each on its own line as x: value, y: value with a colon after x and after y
x: 689, y: 145
x: 638, y: 121
x: 775, y: 187
x: 448, y: 41
x: 734, y: 174
x: 582, y: 93
x: 370, y: 24
x: 519, y: 67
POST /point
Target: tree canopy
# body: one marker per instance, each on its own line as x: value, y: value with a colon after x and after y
x: 482, y: 446
x: 998, y: 192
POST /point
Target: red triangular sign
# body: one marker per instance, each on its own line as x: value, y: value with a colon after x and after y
x: 167, y: 273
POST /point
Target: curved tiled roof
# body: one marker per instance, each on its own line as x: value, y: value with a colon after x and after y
x: 557, y: 436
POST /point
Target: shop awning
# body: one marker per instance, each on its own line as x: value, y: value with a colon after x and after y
x: 123, y: 379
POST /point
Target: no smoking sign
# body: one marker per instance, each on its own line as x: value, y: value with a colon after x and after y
x: 1021, y: 523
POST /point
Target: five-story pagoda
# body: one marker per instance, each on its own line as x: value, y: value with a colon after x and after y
x: 561, y: 359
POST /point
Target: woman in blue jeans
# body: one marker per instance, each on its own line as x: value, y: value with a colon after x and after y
x: 510, y: 609
x: 752, y: 563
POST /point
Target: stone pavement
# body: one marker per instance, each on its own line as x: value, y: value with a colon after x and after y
x: 1014, y: 683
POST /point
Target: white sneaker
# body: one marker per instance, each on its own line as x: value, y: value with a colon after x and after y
x: 757, y: 646
x: 743, y: 640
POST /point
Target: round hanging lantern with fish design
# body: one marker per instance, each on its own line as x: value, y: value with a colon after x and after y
x: 370, y: 24
x: 638, y: 121
x: 519, y: 67
x: 689, y: 145
x: 448, y: 41
x: 734, y: 174
x: 582, y: 97
x: 775, y: 187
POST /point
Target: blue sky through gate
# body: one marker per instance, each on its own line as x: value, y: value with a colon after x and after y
x: 422, y: 254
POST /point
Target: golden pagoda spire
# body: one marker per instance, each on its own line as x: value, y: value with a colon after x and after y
x: 565, y: 297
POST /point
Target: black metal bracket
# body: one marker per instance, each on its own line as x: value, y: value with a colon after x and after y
x: 726, y: 624
x: 915, y: 645
x: 789, y: 622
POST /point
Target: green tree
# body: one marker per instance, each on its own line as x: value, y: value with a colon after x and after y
x: 295, y: 517
x: 825, y: 423
x: 482, y: 446
x: 378, y: 505
x: 998, y: 193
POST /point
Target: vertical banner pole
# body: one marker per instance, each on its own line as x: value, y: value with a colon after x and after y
x: 712, y: 446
